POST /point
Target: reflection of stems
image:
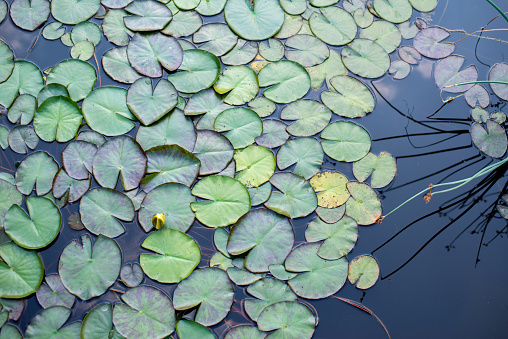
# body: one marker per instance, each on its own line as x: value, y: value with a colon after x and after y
x: 498, y: 9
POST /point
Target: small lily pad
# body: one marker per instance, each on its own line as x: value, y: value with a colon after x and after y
x: 333, y: 25
x: 53, y: 293
x: 339, y: 237
x: 255, y: 165
x: 306, y: 153
x: 268, y: 291
x: 98, y: 323
x: 382, y: 168
x: 48, y: 323
x: 213, y: 150
x: 447, y: 72
x: 131, y: 274
x: 364, y: 205
x: 241, y: 126
x: 239, y: 82
x: 198, y: 71
x: 493, y: 141
x: 499, y: 72
x: 77, y: 159
x: 349, y: 97
x: 429, y: 43
x: 345, y: 141
x: 287, y: 81
x: 57, y: 118
x: 365, y: 58
x: 39, y: 169
x: 330, y: 188
x: 363, y: 271
x: 29, y: 14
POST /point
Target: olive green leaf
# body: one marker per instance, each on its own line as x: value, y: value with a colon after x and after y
x: 57, y: 118
x: 364, y: 205
x: 48, y: 324
x: 339, y: 237
x: 98, y: 323
x: 240, y: 81
x: 199, y: 70
x: 345, y: 141
x: 39, y: 169
x: 289, y: 319
x: 363, y: 271
x: 287, y: 81
x: 241, y: 126
x: 53, y: 293
x: 310, y: 117
x: 306, y: 153
x: 382, y: 168
x: 255, y: 165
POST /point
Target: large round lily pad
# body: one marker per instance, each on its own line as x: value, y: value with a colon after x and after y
x: 492, y: 141
x: 287, y: 81
x: 330, y: 188
x: 345, y: 141
x: 365, y: 58
x: 49, y: 324
x: 364, y: 205
x: 289, y: 319
x: 339, y: 237
x: 57, y: 118
x: 255, y: 165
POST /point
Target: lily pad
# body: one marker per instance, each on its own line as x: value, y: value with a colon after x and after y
x: 53, y: 293
x: 292, y: 25
x: 311, y: 117
x: 395, y: 11
x: 447, y: 72
x: 268, y: 291
x: 477, y: 95
x: 9, y: 331
x: 429, y: 43
x: 493, y: 141
x: 244, y: 331
x: 48, y: 324
x: 86, y: 31
x: 424, y: 5
x: 22, y: 109
x: 289, y: 319
x: 131, y: 274
x: 226, y: 201
x: 37, y: 229
x: 184, y: 23
x: 274, y: 134
x: 173, y: 200
x: 21, y: 271
x: 88, y: 271
x: 330, y: 188
x: 72, y: 12
x: 213, y: 150
x: 57, y: 118
x: 76, y: 75
x: 9, y: 196
x: 147, y: 313
x: 199, y: 70
x: 6, y: 60
x: 26, y: 78
x: 339, y: 237
x: 363, y: 271
x: 345, y: 141
x: 206, y: 102
x: 215, y: 38
x: 243, y: 52
x: 307, y: 50
x: 364, y: 205
x: 327, y: 70
x: 409, y: 54
x: 147, y: 16
x: 208, y: 288
x: 262, y: 106
x: 39, y: 169
x: 365, y: 58
x: 177, y: 255
x: 287, y: 81
x: 114, y: 27
x: 271, y: 50
x: 499, y: 72
x: 279, y: 272
x: 241, y: 84
x: 77, y: 159
x: 101, y: 208
x: 21, y: 138
x: 53, y: 31
x: 318, y: 278
x: 82, y: 50
x: 349, y: 97
x: 400, y: 69
x: 384, y: 33
x: 258, y: 20
x: 92, y: 137
x: 255, y: 165
x: 98, y: 323
x: 69, y: 189
x: 29, y: 14
x: 333, y: 25
x: 382, y: 168
x: 306, y: 153
x: 241, y: 126
x: 117, y: 66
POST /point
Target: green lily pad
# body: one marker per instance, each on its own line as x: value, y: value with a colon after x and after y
x: 365, y: 58
x: 72, y: 12
x: 169, y: 163
x: 21, y: 271
x: 395, y: 11
x: 307, y: 50
x: 318, y: 278
x: 293, y: 7
x: 400, y: 69
x: 53, y: 293
x: 271, y: 50
x: 57, y: 118
x: 240, y: 81
x: 279, y: 272
x: 199, y: 70
x: 429, y: 43
x: 268, y: 291
x: 288, y: 80
x: 86, y: 31
x: 6, y: 60
x: 241, y: 126
x: 383, y: 169
x: 69, y: 189
x: 333, y: 25
x: 4, y: 137
x: 26, y: 78
x: 132, y: 274
x: 92, y: 137
x: 499, y: 72
x: 289, y: 319
x: 213, y: 150
x: 208, y: 288
x: 243, y: 52
x: 82, y: 50
x: 21, y: 138
x: 187, y: 329
x: 36, y: 230
x: 22, y: 109
x: 255, y: 165
x: 364, y: 205
x: 51, y: 90
x: 48, y: 324
x: 349, y: 97
x: 493, y: 141
x: 384, y: 33
x: 262, y: 106
x: 101, y: 207
x: 28, y: 14
x: 424, y: 5
x: 76, y: 75
x: 327, y: 70
x: 292, y: 25
x: 38, y: 169
x: 210, y: 7
x: 116, y: 64
x: 266, y: 236
x: 221, y: 261
x: 363, y: 271
x: 345, y: 141
x: 14, y: 308
x: 136, y: 197
x: 274, y: 134
x: 179, y: 256
x: 330, y: 188
x: 173, y: 200
x: 206, y: 102
x: 148, y: 313
x: 186, y: 4
x: 184, y: 23
x: 240, y: 276
x: 77, y: 159
x: 339, y: 237
x: 120, y: 157
x: 306, y: 153
x: 150, y: 105
x: 114, y: 27
x: 106, y: 112
x: 296, y: 198
x: 98, y: 323
x: 447, y: 72
x: 9, y: 196
x: 254, y: 21
x: 244, y: 331
x: 226, y: 201
x: 215, y: 38
x: 477, y: 95
x: 88, y: 271
x: 9, y: 331
x: 147, y: 16
x: 311, y: 117
x: 173, y: 129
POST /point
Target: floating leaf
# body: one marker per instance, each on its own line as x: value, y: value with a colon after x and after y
x: 184, y: 23
x: 51, y: 90
x: 4, y: 137
x: 271, y: 50
x: 53, y: 293
x: 114, y: 28
x: 82, y: 50
x: 400, y: 69
x: 364, y: 271
x: 48, y: 323
x: 9, y: 196
x: 106, y: 112
x: 38, y: 169
x: 268, y: 292
x: 57, y: 118
x: 198, y: 71
x: 149, y: 314
x: 279, y: 272
x: 6, y: 59
x: 262, y: 106
x: 240, y: 81
x: 25, y: 78
x: 216, y: 38
x: 22, y: 109
x: 187, y: 329
x: 292, y: 25
x: 255, y: 165
x: 211, y: 7
x: 208, y: 288
x: 206, y: 102
x: 428, y: 43
x: 77, y: 159
x: 383, y: 169
x: 131, y: 274
x: 306, y: 50
x: 241, y: 125
x: 150, y: 105
x: 86, y: 31
x: 395, y: 11
x: 92, y: 137
x: 243, y: 52
x: 296, y: 198
x: 289, y: 319
x: 447, y: 72
x: 76, y: 75
x: 21, y: 137
x: 101, y: 207
x: 493, y: 141
x: 345, y: 141
x: 333, y: 25
x: 36, y: 230
x: 240, y: 276
x: 364, y: 205
x: 424, y: 5
x: 318, y: 278
x: 259, y: 195
x: 117, y: 66
x: 365, y: 58
x: 288, y: 80
x: 28, y: 14
x: 330, y: 188
x: 98, y: 323
x: 226, y: 201
x: 9, y: 331
x: 311, y: 117
x: 147, y: 16
x: 306, y: 153
x: 72, y: 12
x: 244, y: 331
x: 499, y: 72
x: 409, y: 54
x: 258, y: 20
x: 274, y: 134
x: 339, y: 237
x: 179, y: 255
x: 173, y: 200
x: 349, y: 97
x: 70, y: 189
x: 384, y: 33
x: 327, y: 70
x: 213, y: 150
x: 477, y: 95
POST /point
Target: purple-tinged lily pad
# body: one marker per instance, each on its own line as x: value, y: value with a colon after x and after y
x: 493, y: 141
x: 409, y: 54
x: 447, y: 73
x: 428, y: 42
x: 77, y: 159
x: 213, y: 150
x: 477, y: 95
x: 499, y: 72
x: 53, y: 293
x: 21, y: 138
x: 63, y: 184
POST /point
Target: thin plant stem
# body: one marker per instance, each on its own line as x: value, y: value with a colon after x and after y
x: 498, y: 9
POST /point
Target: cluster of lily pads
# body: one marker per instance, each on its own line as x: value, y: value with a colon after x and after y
x: 206, y: 147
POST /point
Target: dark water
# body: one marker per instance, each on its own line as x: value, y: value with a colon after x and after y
x: 439, y: 294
